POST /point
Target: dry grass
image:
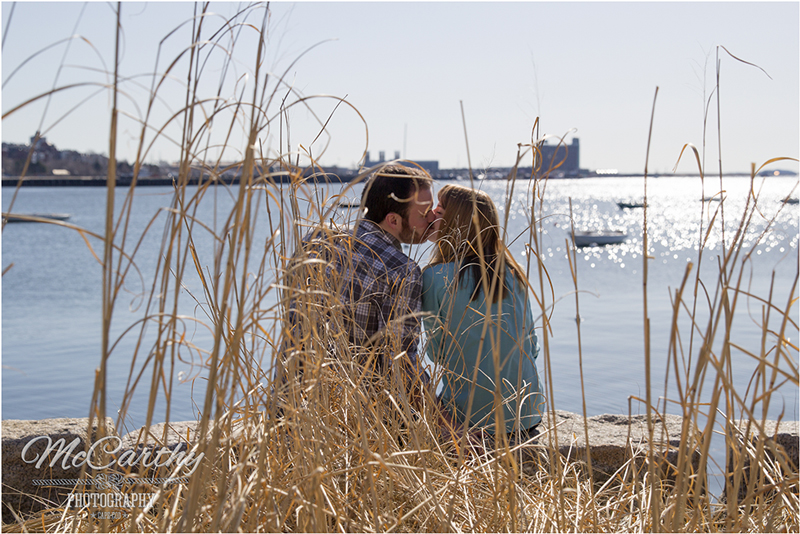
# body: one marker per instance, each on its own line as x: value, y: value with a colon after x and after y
x: 344, y: 451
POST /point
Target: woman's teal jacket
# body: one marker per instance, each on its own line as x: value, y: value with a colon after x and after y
x: 480, y: 347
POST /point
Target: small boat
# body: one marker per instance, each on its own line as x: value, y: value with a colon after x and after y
x: 712, y: 199
x: 630, y: 205
x: 599, y: 237
x: 789, y: 200
x: 346, y: 204
x: 26, y: 217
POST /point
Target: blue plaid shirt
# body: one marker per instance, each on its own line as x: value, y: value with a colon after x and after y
x: 380, y: 290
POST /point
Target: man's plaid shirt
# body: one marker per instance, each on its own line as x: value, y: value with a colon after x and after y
x: 379, y: 289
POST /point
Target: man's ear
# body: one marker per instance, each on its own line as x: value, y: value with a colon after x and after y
x: 393, y: 221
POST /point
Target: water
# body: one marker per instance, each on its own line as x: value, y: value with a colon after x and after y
x: 51, y: 320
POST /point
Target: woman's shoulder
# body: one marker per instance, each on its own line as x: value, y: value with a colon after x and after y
x: 439, y: 268
x: 437, y: 272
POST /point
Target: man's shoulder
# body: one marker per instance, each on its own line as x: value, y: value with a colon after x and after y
x: 326, y: 231
x: 369, y: 233
x: 325, y: 236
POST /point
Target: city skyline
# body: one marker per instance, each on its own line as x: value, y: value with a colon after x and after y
x: 585, y: 70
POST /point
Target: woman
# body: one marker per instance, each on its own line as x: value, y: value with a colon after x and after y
x: 480, y: 325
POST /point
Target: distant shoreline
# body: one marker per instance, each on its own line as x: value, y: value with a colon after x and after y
x: 101, y: 181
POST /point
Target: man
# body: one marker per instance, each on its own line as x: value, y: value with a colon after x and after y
x: 359, y: 284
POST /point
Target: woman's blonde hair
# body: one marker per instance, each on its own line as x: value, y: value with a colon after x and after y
x: 470, y: 236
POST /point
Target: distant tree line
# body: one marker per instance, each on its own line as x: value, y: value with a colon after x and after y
x: 47, y: 160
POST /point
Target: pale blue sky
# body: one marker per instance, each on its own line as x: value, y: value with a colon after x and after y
x: 585, y: 69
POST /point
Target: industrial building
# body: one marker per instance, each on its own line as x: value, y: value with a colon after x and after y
x: 431, y: 166
x: 563, y: 159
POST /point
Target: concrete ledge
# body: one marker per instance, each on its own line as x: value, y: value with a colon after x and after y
x: 30, y: 486
x: 783, y: 434
x: 20, y: 490
x: 613, y: 440
x: 179, y: 433
x: 779, y: 447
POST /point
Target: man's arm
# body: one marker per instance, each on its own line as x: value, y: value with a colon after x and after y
x: 407, y: 309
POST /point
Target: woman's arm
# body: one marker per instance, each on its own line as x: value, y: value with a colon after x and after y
x: 531, y: 340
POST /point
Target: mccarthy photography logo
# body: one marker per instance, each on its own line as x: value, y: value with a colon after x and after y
x: 112, y: 497
x: 109, y: 454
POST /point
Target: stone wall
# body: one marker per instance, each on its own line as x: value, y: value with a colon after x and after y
x: 28, y: 488
x: 614, y: 440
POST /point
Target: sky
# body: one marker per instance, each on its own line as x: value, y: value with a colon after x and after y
x: 457, y: 82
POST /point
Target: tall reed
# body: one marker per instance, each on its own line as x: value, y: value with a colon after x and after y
x: 345, y: 450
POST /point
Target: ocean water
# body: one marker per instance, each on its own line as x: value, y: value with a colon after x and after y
x: 51, y: 292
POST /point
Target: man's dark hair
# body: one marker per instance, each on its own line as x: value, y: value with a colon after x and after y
x: 387, y: 188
